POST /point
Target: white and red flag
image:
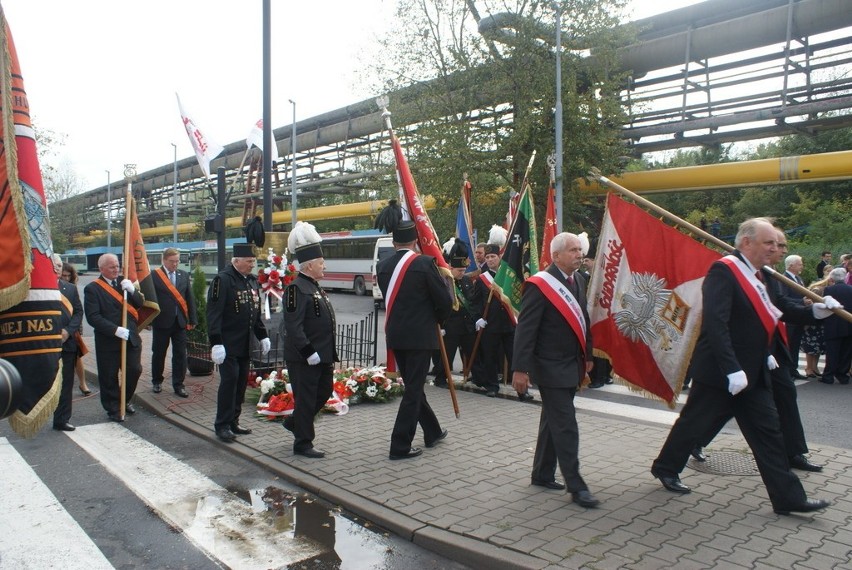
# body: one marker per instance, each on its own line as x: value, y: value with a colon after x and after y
x: 205, y: 148
x: 545, y: 258
x: 645, y: 299
x: 255, y: 138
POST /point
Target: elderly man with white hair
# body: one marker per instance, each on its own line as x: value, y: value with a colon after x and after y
x: 838, y: 332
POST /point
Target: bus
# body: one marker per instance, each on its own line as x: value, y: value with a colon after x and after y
x: 349, y: 260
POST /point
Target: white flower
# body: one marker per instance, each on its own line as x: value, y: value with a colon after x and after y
x: 267, y: 385
x: 352, y: 384
x: 372, y: 391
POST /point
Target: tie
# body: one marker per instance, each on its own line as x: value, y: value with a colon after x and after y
x: 172, y: 277
x: 115, y: 283
x: 571, y: 281
x: 759, y: 275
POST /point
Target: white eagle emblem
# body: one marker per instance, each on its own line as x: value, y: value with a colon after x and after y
x: 646, y: 309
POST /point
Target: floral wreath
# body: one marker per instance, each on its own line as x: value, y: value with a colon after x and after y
x: 273, y: 278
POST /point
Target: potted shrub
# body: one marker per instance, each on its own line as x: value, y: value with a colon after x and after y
x: 197, y: 342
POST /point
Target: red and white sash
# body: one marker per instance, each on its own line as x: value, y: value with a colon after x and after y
x: 487, y: 279
x: 395, y: 281
x: 561, y: 297
x: 758, y: 295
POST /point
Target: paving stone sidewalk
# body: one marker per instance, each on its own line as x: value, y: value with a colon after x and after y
x: 469, y: 497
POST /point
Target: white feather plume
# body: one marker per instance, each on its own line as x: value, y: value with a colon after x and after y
x: 448, y: 245
x: 584, y: 243
x: 301, y: 235
x: 497, y: 236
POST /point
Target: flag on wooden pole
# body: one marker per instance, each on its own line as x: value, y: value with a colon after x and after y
x: 138, y: 270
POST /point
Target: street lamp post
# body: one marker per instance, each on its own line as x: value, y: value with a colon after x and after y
x: 109, y: 213
x: 175, y: 201
x: 293, y: 168
x: 558, y: 116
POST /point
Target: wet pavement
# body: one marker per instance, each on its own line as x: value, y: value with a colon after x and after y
x: 469, y: 497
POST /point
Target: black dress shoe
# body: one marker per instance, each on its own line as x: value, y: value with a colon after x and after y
x: 596, y: 385
x: 225, y: 435
x: 435, y: 441
x: 115, y: 418
x: 525, y: 397
x: 798, y: 375
x: 585, y: 499
x: 843, y: 379
x: 311, y: 452
x: 240, y: 430
x: 157, y: 388
x: 181, y: 391
x: 130, y: 409
x: 698, y: 454
x: 826, y: 379
x: 64, y: 427
x: 674, y: 485
x: 809, y: 506
x: 491, y: 393
x: 555, y: 485
x: 801, y: 462
x: 413, y: 452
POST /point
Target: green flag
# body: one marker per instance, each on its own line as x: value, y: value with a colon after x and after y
x: 520, y: 256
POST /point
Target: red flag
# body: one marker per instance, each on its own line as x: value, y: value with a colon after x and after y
x: 426, y: 236
x: 137, y: 269
x: 645, y: 299
x: 29, y: 297
x: 549, y: 229
x: 514, y: 199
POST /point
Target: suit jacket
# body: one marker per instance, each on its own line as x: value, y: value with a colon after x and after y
x: 788, y: 291
x: 545, y: 344
x: 834, y: 326
x: 309, y: 323
x: 169, y: 309
x: 72, y: 321
x: 797, y: 315
x: 732, y: 337
x: 103, y: 313
x: 233, y: 312
x: 423, y: 300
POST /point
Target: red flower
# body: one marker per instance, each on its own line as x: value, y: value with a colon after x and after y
x: 261, y: 277
x: 281, y: 403
x: 274, y: 276
x: 276, y: 260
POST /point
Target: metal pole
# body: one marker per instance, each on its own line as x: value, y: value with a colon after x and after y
x: 109, y: 212
x: 558, y: 117
x: 293, y: 168
x: 175, y: 202
x: 220, y: 209
x: 267, y: 117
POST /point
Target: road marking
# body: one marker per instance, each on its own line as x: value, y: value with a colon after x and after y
x: 35, y: 529
x: 223, y: 525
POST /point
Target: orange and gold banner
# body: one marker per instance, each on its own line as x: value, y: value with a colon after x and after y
x: 137, y: 270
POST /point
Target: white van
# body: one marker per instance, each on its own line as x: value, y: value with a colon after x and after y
x: 384, y: 249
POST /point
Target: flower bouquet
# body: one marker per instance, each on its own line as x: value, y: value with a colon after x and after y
x: 276, y: 397
x: 273, y: 278
x: 355, y: 385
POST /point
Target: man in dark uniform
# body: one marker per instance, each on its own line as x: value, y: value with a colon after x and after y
x: 71, y: 321
x: 417, y: 299
x: 103, y: 307
x: 552, y: 348
x: 730, y: 371
x: 458, y: 329
x: 498, y: 330
x: 233, y: 315
x: 177, y: 315
x: 309, y: 345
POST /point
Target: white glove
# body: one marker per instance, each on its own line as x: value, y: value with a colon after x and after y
x: 314, y: 359
x: 443, y: 332
x: 771, y: 363
x: 737, y: 381
x: 823, y: 310
x: 122, y: 333
x: 217, y: 355
x: 128, y: 285
x: 480, y: 324
x: 265, y: 345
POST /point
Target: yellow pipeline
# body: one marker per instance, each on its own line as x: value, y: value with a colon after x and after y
x: 805, y: 168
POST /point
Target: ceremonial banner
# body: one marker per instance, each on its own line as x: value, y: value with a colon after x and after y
x: 549, y: 229
x: 426, y: 236
x: 205, y: 149
x: 255, y: 138
x: 464, y: 225
x: 520, y: 255
x: 30, y: 302
x: 137, y: 269
x: 645, y: 299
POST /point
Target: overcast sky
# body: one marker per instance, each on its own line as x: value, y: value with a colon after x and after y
x: 104, y: 73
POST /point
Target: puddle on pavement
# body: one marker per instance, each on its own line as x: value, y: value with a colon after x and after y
x: 342, y: 539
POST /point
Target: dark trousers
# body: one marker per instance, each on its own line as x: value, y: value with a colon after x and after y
x: 233, y: 378
x: 558, y: 439
x: 109, y: 362
x: 176, y: 335
x: 62, y: 415
x: 454, y: 342
x: 413, y: 409
x: 754, y: 410
x: 495, y: 348
x: 794, y: 336
x: 312, y: 387
x: 838, y: 357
